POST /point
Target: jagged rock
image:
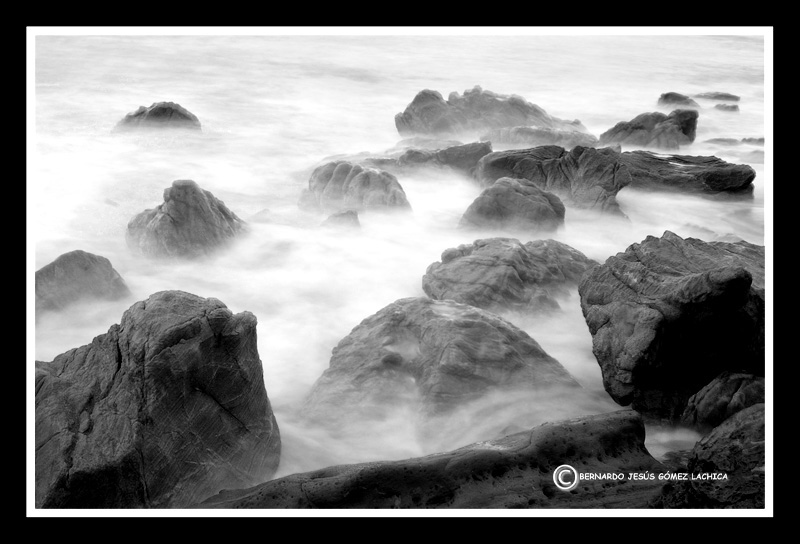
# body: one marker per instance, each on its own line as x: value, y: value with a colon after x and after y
x: 515, y: 471
x: 727, y: 107
x: 513, y: 204
x: 160, y: 115
x: 727, y: 394
x: 345, y: 219
x: 718, y: 96
x: 499, y: 274
x: 190, y: 223
x: 342, y: 185
x: 654, y: 129
x: 164, y: 410
x: 476, y: 111
x: 583, y: 177
x: 735, y: 448
x: 537, y: 136
x: 76, y: 276
x: 669, y: 315
x: 676, y: 99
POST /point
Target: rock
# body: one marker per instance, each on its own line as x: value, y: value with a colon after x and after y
x: 583, y: 177
x: 727, y: 394
x: 513, y: 204
x: 724, y: 141
x: 500, y: 274
x: 460, y: 158
x: 537, y: 136
x: 718, y: 96
x: 160, y: 115
x: 753, y: 141
x: 431, y: 356
x: 345, y: 219
x: 515, y: 471
x: 190, y: 223
x: 676, y: 99
x: 686, y: 173
x: 654, y: 130
x: 669, y: 315
x: 476, y: 111
x: 164, y: 410
x: 735, y: 449
x: 727, y: 107
x: 77, y: 276
x: 342, y: 185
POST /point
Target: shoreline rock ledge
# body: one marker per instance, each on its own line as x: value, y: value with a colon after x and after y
x: 164, y: 410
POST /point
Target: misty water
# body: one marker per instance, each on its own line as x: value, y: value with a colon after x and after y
x: 274, y: 107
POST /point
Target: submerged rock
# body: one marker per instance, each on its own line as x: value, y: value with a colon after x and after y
x: 165, y: 409
x: 77, y: 276
x: 160, y: 115
x: 727, y: 97
x: 516, y: 205
x: 499, y: 274
x: 191, y: 222
x: 669, y: 315
x: 676, y: 99
x: 342, y: 185
x: 538, y: 136
x: 727, y: 107
x: 654, y: 129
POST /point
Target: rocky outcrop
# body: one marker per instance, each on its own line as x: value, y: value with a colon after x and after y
x: 669, y: 315
x: 734, y: 449
x: 727, y: 394
x: 77, y: 276
x: 342, y: 185
x: 474, y: 112
x: 190, y: 223
x: 164, y: 410
x: 538, y: 136
x: 655, y: 130
x: 513, y: 204
x: 583, y: 177
x: 727, y: 97
x: 499, y: 274
x: 687, y: 173
x: 727, y: 107
x: 346, y: 219
x: 515, y: 471
x: 159, y: 115
x: 677, y: 99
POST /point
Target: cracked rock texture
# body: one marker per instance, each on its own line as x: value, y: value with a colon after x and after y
x: 190, y: 223
x: 342, y: 185
x: 160, y: 115
x: 165, y: 409
x: 654, y: 129
x: 74, y: 276
x: 515, y: 204
x: 669, y: 315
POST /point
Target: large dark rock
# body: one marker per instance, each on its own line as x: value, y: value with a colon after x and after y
x: 538, y: 136
x: 165, y: 409
x: 687, y: 173
x: 159, y: 115
x: 676, y: 99
x: 77, y: 276
x: 728, y: 97
x: 727, y: 394
x: 474, y: 112
x: 515, y: 471
x: 499, y: 274
x: 669, y: 315
x: 513, y: 204
x: 432, y: 356
x: 734, y: 449
x: 343, y: 185
x: 655, y: 130
x: 190, y: 223
x: 583, y: 177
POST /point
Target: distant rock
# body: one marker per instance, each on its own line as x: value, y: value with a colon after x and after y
x: 190, y: 223
x: 513, y: 204
x: 676, y: 99
x: 654, y: 129
x: 727, y: 394
x: 499, y: 274
x: 343, y: 185
x: 476, y: 111
x: 77, y: 276
x: 160, y: 115
x: 537, y: 136
x: 727, y: 97
x: 164, y: 410
x: 753, y: 141
x: 583, y: 177
x: 723, y: 141
x: 735, y: 449
x: 516, y: 471
x: 345, y: 219
x: 727, y: 107
x: 669, y: 315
